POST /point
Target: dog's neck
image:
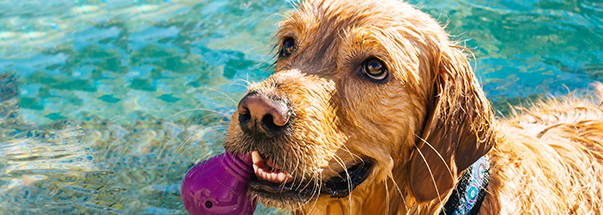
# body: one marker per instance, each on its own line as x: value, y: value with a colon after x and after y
x: 469, y: 192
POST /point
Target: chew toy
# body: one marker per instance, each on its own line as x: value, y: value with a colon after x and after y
x: 219, y: 186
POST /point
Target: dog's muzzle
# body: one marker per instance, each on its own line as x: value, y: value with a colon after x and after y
x: 265, y: 117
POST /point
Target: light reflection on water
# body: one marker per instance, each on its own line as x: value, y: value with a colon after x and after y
x: 97, y: 166
x: 117, y: 99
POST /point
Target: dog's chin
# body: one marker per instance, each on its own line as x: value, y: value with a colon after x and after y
x: 294, y: 194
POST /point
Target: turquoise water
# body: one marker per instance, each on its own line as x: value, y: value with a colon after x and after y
x: 117, y: 99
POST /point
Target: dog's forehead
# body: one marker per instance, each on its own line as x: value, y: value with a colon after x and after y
x: 321, y: 19
x: 328, y: 33
x: 351, y: 12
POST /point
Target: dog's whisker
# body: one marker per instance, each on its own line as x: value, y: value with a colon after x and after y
x: 386, y: 198
x: 214, y: 90
x: 284, y: 183
x: 354, y: 156
x: 430, y: 173
x: 341, y: 163
x: 307, y: 183
x: 246, y: 83
x: 114, y: 118
x: 301, y: 177
x: 316, y: 191
x: 399, y: 191
x: 295, y: 171
x: 185, y: 141
x: 438, y: 153
x: 197, y: 109
x: 121, y: 152
x: 211, y: 100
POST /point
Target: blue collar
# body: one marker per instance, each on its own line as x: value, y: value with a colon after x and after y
x: 468, y: 195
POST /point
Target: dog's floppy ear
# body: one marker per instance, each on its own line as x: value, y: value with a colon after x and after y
x: 457, y: 130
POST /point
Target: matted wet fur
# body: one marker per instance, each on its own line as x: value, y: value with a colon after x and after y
x: 418, y: 128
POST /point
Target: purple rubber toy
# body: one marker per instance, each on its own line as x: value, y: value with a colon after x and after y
x: 219, y: 186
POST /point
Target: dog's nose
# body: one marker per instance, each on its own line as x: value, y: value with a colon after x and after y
x: 261, y: 115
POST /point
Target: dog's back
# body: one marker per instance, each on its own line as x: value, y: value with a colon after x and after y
x: 549, y: 160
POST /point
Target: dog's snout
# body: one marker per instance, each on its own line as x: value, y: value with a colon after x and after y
x: 261, y: 115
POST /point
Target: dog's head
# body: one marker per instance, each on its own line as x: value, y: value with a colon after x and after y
x: 363, y: 92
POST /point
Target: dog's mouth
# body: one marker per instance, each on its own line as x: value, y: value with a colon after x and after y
x: 273, y: 183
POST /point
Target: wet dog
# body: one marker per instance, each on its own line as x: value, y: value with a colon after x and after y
x: 373, y: 110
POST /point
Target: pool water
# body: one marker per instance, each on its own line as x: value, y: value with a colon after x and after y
x: 112, y: 101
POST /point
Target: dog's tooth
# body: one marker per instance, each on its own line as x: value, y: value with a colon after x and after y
x: 256, y: 170
x: 271, y: 177
x: 284, y: 177
x: 263, y: 175
x: 255, y: 157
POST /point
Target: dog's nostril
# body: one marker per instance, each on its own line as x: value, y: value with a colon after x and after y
x: 244, y: 115
x: 269, y: 124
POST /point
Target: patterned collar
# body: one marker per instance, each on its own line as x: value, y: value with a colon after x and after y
x: 468, y: 195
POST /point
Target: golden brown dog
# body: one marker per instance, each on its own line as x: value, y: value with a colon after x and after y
x: 373, y: 110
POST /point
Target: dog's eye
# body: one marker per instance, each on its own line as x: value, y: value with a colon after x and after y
x: 287, y: 47
x: 375, y: 69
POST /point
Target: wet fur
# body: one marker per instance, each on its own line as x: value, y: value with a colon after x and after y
x: 421, y: 127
